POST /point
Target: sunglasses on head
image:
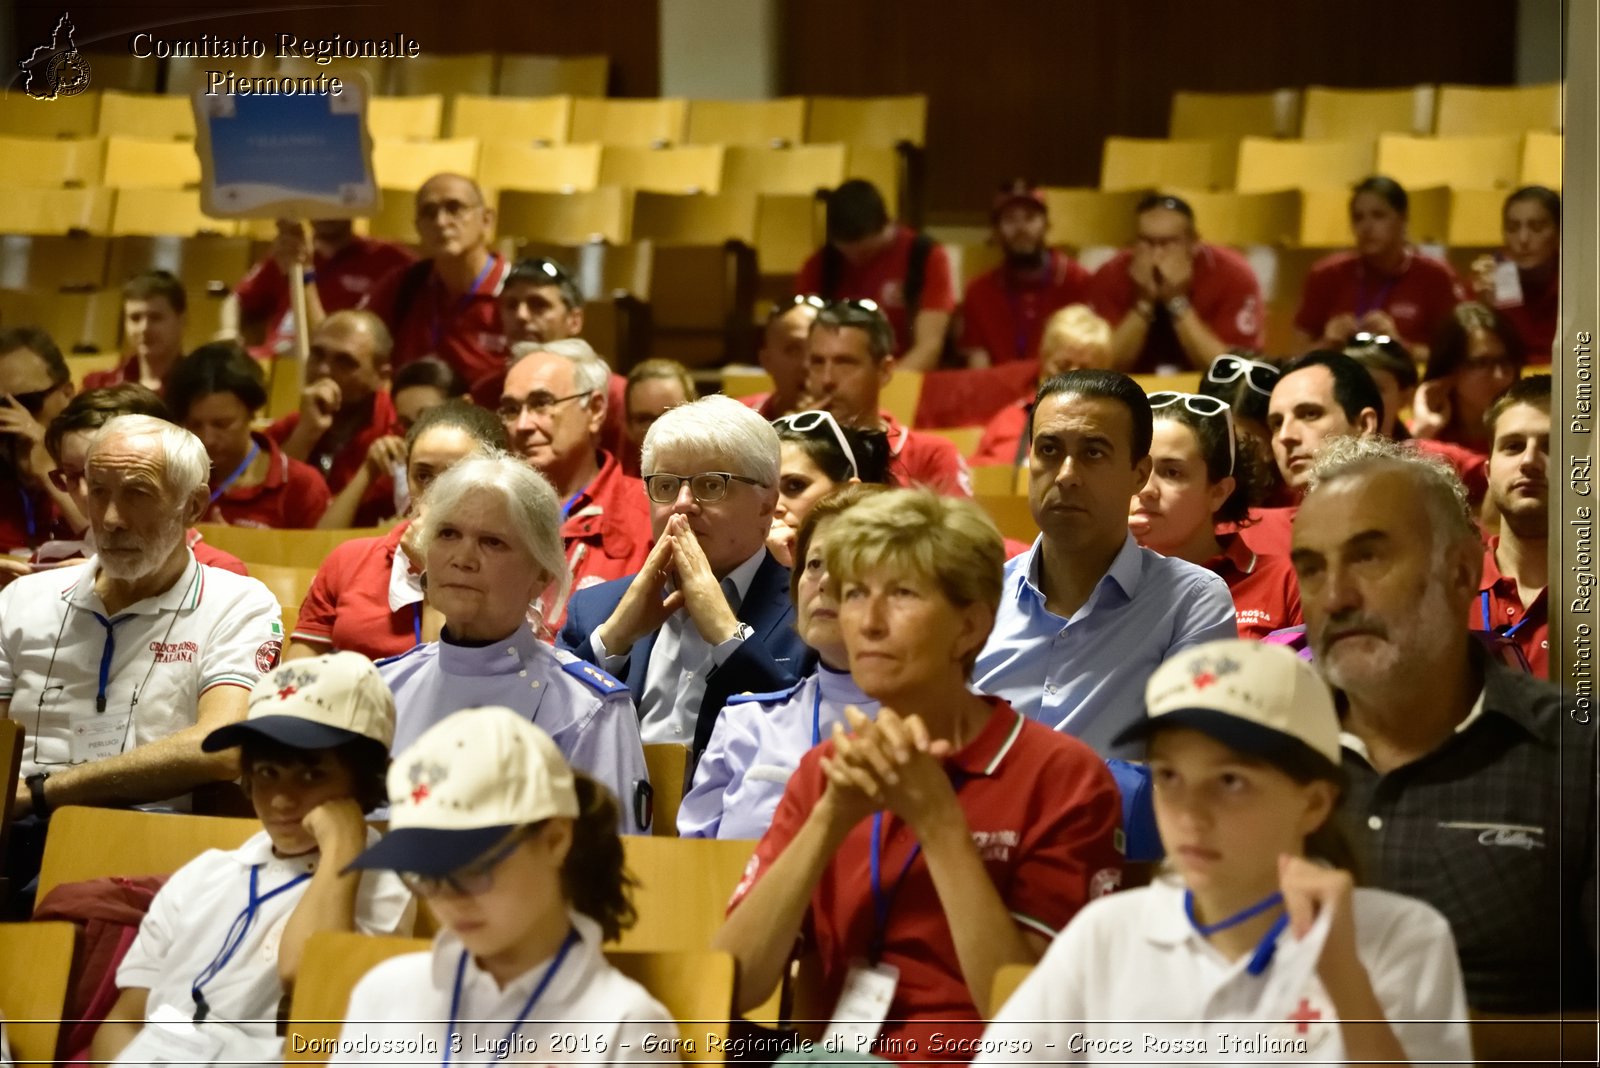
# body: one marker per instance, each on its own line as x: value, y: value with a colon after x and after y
x: 1260, y: 377
x: 1201, y: 405
x: 33, y: 402
x: 806, y: 422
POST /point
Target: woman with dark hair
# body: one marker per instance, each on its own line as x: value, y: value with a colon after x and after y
x: 816, y: 456
x: 1256, y: 931
x: 1244, y: 382
x: 215, y: 392
x: 518, y: 858
x: 1523, y: 281
x: 1200, y: 481
x: 1383, y: 286
x: 367, y: 596
x: 1392, y: 371
x: 1476, y: 356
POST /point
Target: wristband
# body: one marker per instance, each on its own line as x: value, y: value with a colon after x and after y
x: 35, y: 784
x: 1177, y: 306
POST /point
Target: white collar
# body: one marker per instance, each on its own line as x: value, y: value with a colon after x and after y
x: 405, y: 585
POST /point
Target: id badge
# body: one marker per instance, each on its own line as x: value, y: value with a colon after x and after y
x: 170, y: 1038
x: 1507, y: 284
x: 863, y: 1006
x: 97, y: 735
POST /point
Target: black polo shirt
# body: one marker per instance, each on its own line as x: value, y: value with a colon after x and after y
x: 1496, y: 829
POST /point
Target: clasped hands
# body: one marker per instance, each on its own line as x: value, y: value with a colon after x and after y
x: 887, y: 763
x: 647, y: 604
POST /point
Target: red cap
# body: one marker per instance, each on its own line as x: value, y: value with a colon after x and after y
x: 1018, y: 192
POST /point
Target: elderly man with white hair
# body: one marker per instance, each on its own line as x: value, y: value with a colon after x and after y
x: 118, y: 668
x: 708, y: 615
x: 554, y: 405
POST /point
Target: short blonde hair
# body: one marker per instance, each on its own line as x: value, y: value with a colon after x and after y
x: 1078, y: 326
x: 944, y: 539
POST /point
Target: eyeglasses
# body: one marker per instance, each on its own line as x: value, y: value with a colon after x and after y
x: 1201, y: 405
x: 476, y: 878
x: 708, y: 487
x: 806, y: 422
x: 1391, y: 345
x: 66, y: 481
x: 538, y: 404
x: 450, y: 209
x: 33, y: 403
x: 1261, y: 377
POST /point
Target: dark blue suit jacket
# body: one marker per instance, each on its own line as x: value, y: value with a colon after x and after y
x: 770, y: 659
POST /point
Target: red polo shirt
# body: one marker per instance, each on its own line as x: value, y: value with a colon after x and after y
x: 1470, y: 465
x: 1005, y: 315
x: 1535, y: 319
x: 1499, y: 607
x: 607, y: 530
x: 342, y: 463
x: 1266, y: 594
x: 343, y: 281
x: 126, y: 371
x: 462, y: 329
x: 347, y: 606
x: 293, y: 496
x: 1001, y: 445
x: 1267, y: 531
x: 883, y: 279
x: 1418, y: 299
x: 1223, y: 291
x: 763, y: 405
x: 926, y: 459
x: 1044, y: 813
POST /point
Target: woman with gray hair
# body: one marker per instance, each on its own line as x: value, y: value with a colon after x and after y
x: 491, y: 547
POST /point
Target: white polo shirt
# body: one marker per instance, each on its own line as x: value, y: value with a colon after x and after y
x: 1130, y: 981
x: 211, y: 628
x: 183, y: 933
x: 589, y: 1012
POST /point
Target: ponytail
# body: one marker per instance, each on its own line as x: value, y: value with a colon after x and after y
x: 593, y: 876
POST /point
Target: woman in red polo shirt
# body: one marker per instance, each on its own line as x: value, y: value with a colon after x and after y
x: 215, y: 392
x: 1201, y: 480
x: 1383, y: 286
x: 1523, y: 280
x: 917, y: 853
x: 367, y: 596
x: 1476, y: 356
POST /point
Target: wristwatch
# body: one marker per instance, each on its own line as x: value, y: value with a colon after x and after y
x: 1177, y: 306
x: 35, y: 784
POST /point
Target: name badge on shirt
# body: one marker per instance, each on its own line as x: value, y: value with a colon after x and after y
x: 1507, y: 283
x: 863, y: 1006
x: 97, y: 735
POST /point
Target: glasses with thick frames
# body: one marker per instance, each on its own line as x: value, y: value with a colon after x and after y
x: 476, y: 878
x: 806, y: 422
x: 708, y: 487
x: 1261, y: 377
x: 537, y: 404
x: 1201, y: 405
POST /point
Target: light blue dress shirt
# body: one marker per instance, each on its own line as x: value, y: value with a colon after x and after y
x: 757, y: 743
x: 1085, y: 676
x: 586, y: 712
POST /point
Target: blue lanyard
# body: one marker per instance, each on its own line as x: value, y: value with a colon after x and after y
x: 1488, y: 624
x: 533, y: 998
x: 416, y: 622
x: 1261, y: 956
x: 29, y: 520
x: 882, y: 903
x: 238, y: 472
x: 237, y: 932
x: 106, y: 653
x: 462, y: 304
x: 816, y: 730
x: 566, y: 509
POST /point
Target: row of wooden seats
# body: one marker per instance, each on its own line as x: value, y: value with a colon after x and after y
x: 126, y: 163
x: 1260, y: 165
x: 1325, y: 112
x: 866, y: 122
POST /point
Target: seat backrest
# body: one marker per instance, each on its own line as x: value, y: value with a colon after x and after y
x: 286, y: 548
x: 526, y: 120
x: 798, y: 169
x: 66, y: 116
x: 746, y: 122
x: 553, y: 75
x: 164, y: 212
x: 35, y: 968
x: 1480, y: 110
x: 472, y: 72
x: 789, y: 228
x: 879, y: 165
x: 640, y: 123
x: 408, y: 164
x: 1087, y: 218
x: 1541, y: 160
x: 538, y: 169
x: 696, y: 219
x: 203, y: 264
x: 56, y: 211
x: 1458, y: 162
x: 79, y: 322
x: 667, y: 763
x: 288, y: 584
x: 695, y: 986
x: 1006, y: 980
x: 1134, y: 163
x: 604, y: 213
x: 331, y: 966
x: 144, y: 163
x: 52, y: 163
x: 405, y: 118
x: 92, y: 843
x: 152, y: 115
x: 32, y: 261
x: 998, y: 480
x: 1246, y: 218
x: 881, y: 122
x: 1267, y: 166
x: 686, y: 169
x: 683, y: 891
x: 1339, y: 113
x: 1012, y: 515
x: 1231, y: 116
x: 899, y: 398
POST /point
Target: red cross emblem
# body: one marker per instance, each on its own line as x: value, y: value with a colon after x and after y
x: 1204, y: 679
x: 1303, y: 1014
x: 419, y: 792
x: 287, y: 692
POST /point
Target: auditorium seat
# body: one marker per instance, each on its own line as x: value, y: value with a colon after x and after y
x: 1232, y: 116
x: 998, y: 480
x: 604, y: 213
x: 405, y: 118
x: 91, y: 843
x: 81, y: 365
x: 205, y: 265
x: 640, y: 123
x: 395, y: 218
x: 740, y: 381
x: 78, y: 321
x: 67, y: 116
x: 1144, y: 163
x: 668, y: 766
x: 1541, y: 160
x: 1011, y: 514
x: 699, y: 219
x: 1475, y: 218
x: 142, y: 163
x: 1266, y: 165
x: 1459, y: 162
x: 680, y: 169
x: 684, y: 887
x: 1480, y: 110
x: 550, y: 169
x: 877, y: 164
x: 746, y: 122
x: 1085, y: 218
x: 434, y: 73
x: 288, y: 584
x: 543, y: 120
x: 788, y: 229
x: 284, y: 548
x: 797, y: 169
x: 331, y: 965
x: 52, y: 163
x: 408, y: 164
x: 964, y: 438
x: 40, y: 262
x: 151, y: 115
x: 56, y: 211
x: 878, y: 122
x: 899, y: 398
x: 1242, y: 219
x: 702, y: 300
x: 525, y: 75
x: 35, y: 969
x: 161, y: 212
x: 1342, y: 113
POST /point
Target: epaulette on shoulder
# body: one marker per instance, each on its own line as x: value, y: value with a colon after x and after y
x: 591, y: 676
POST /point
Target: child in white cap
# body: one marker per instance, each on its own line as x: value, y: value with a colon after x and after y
x: 221, y: 944
x: 1254, y: 946
x: 519, y: 860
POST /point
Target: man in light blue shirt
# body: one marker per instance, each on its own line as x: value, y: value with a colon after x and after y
x: 1086, y: 614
